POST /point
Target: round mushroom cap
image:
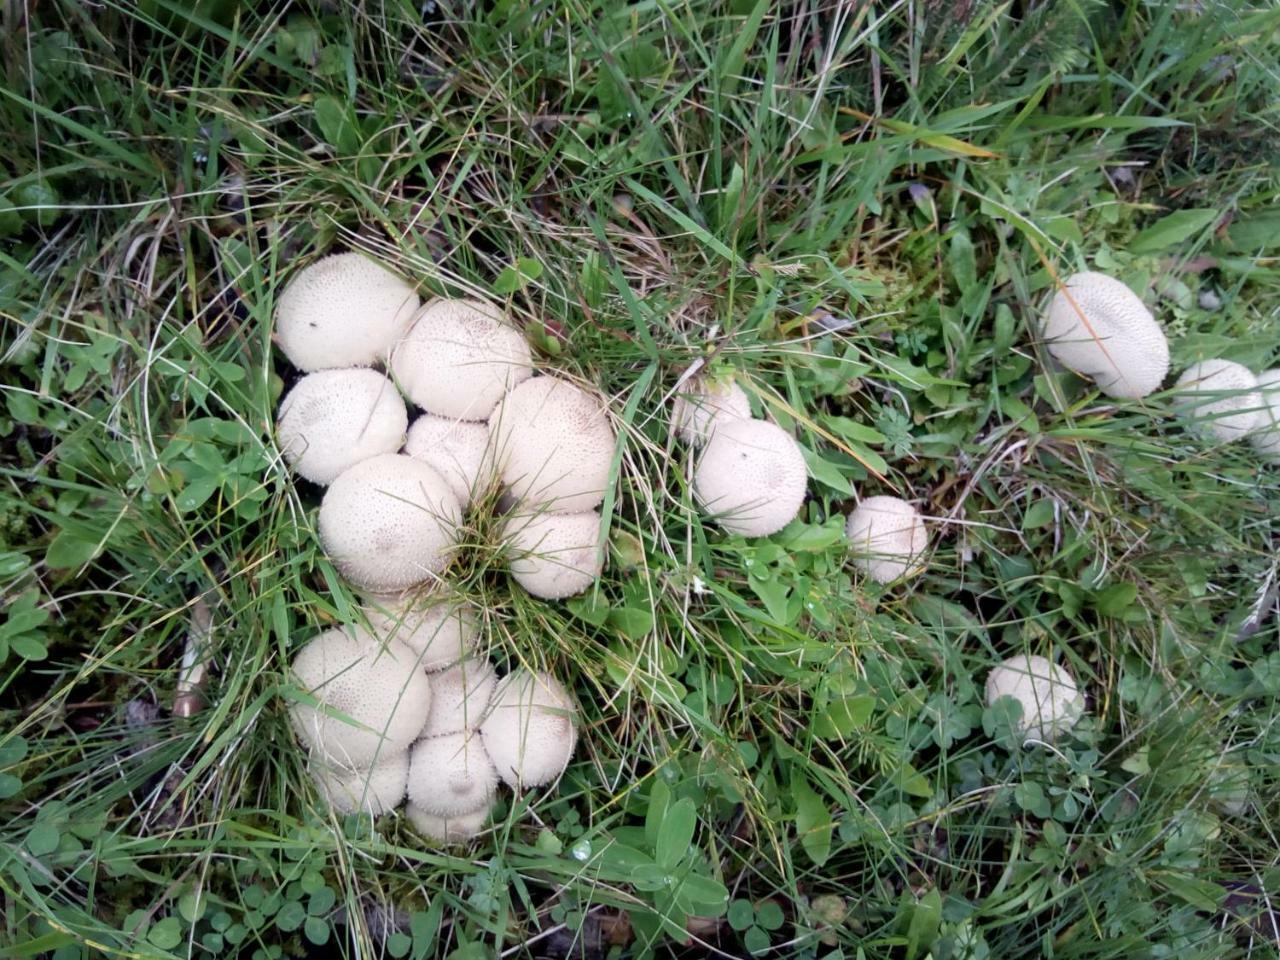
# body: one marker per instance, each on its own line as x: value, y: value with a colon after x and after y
x: 1117, y: 344
x: 1051, y: 703
x: 456, y: 829
x: 441, y: 631
x: 388, y: 523
x: 373, y: 699
x: 530, y: 729
x: 459, y: 357
x: 555, y: 555
x: 459, y: 697
x: 553, y: 444
x: 752, y: 476
x: 1266, y: 438
x: 375, y: 790
x: 455, y: 449
x: 703, y: 404
x: 342, y: 311
x: 451, y: 775
x: 887, y: 537
x: 1220, y: 397
x: 333, y: 419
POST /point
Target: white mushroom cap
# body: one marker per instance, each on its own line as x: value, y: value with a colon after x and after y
x: 531, y: 729
x: 459, y: 697
x: 451, y: 775
x: 457, y: 829
x: 342, y: 311
x: 373, y: 698
x: 374, y: 790
x: 459, y: 357
x: 1266, y: 438
x: 703, y: 403
x: 887, y: 537
x: 1051, y: 702
x: 752, y: 476
x: 1221, y: 397
x: 555, y: 555
x: 388, y: 523
x: 441, y: 630
x: 553, y: 444
x: 333, y: 419
x: 1118, y: 345
x: 456, y: 449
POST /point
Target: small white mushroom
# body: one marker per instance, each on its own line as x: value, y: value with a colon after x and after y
x: 374, y: 790
x: 531, y: 729
x: 389, y: 522
x: 459, y: 697
x: 441, y: 631
x: 373, y: 699
x: 752, y: 477
x: 1266, y: 438
x: 553, y: 445
x: 555, y: 555
x: 456, y: 449
x: 342, y: 311
x: 1051, y: 703
x: 333, y: 419
x: 456, y: 829
x: 459, y: 357
x: 451, y: 775
x: 705, y: 402
x: 887, y: 537
x: 1220, y: 397
x: 1100, y: 329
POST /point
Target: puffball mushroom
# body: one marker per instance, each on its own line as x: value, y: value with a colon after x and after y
x: 887, y: 537
x: 455, y: 449
x: 459, y: 697
x: 333, y: 419
x: 441, y: 631
x: 555, y: 555
x: 455, y: 829
x: 752, y: 475
x: 553, y: 445
x: 1051, y: 703
x: 1221, y: 397
x: 703, y: 404
x: 451, y: 775
x: 459, y: 357
x: 1266, y: 438
x: 344, y: 310
x: 373, y: 699
x: 530, y: 730
x: 374, y: 790
x: 388, y: 522
x: 1117, y: 343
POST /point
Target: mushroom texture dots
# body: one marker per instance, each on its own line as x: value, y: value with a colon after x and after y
x: 1099, y: 328
x: 388, y: 523
x: 887, y: 538
x: 455, y: 829
x: 1051, y: 703
x: 752, y: 476
x: 451, y: 775
x: 333, y: 419
x: 375, y: 790
x: 704, y: 403
x: 460, y: 697
x: 1266, y: 438
x: 380, y: 687
x: 555, y: 555
x: 1221, y: 398
x: 441, y: 631
x: 459, y: 357
x: 455, y: 449
x: 531, y: 729
x: 344, y: 310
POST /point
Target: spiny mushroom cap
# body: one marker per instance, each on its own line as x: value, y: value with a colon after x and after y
x: 451, y: 775
x: 887, y: 537
x: 375, y: 790
x: 342, y: 311
x: 1221, y: 397
x: 555, y: 555
x: 1118, y: 344
x: 752, y: 476
x: 459, y: 357
x: 457, y: 829
x: 333, y: 419
x: 1266, y: 438
x: 530, y: 729
x: 459, y: 697
x: 373, y: 697
x: 388, y: 523
x: 704, y: 403
x: 455, y: 449
x: 1051, y: 703
x: 553, y: 445
x: 441, y: 631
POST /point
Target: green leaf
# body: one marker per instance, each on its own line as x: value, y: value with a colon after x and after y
x: 29, y: 648
x: 38, y: 945
x: 632, y: 622
x: 13, y: 750
x: 926, y: 918
x: 659, y: 801
x: 337, y: 123
x: 40, y: 199
x: 813, y: 821
x: 398, y: 944
x: 1039, y: 514
x: 770, y: 916
x: 514, y: 277
x: 291, y: 916
x: 9, y: 786
x: 676, y: 833
x: 10, y: 219
x: 317, y: 931
x: 1115, y: 599
x: 166, y: 934
x: 43, y: 839
x: 756, y: 940
x: 843, y: 716
x: 703, y: 895
x: 1177, y: 227
x: 68, y: 550
x: 1201, y: 894
x: 741, y: 915
x: 195, y: 493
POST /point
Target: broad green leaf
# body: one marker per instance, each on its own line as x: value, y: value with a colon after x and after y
x: 166, y: 934
x: 676, y: 833
x: 813, y: 821
x: 1114, y: 600
x: 337, y: 123
x: 922, y: 928
x: 69, y: 550
x: 1201, y: 894
x: 1039, y: 514
x: 1177, y: 227
x: 843, y: 716
x: 43, y: 838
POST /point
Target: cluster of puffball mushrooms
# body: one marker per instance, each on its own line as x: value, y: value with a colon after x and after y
x: 407, y: 705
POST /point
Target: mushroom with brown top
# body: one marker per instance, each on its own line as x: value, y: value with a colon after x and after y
x: 1050, y: 701
x: 530, y: 729
x: 1266, y: 437
x: 460, y: 697
x: 451, y: 775
x: 887, y: 537
x: 455, y: 449
x: 555, y: 555
x: 752, y: 477
x: 374, y: 790
x: 440, y: 630
x: 1221, y: 398
x: 703, y: 404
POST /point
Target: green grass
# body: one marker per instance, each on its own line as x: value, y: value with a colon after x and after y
x: 860, y: 210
